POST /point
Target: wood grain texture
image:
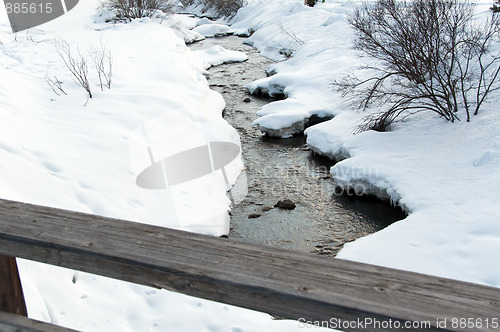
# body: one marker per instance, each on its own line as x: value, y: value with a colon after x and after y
x: 280, y: 282
x: 11, y: 291
x: 15, y: 323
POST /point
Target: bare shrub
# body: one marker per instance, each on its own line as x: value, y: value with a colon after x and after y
x: 496, y: 6
x: 292, y: 35
x: 76, y: 63
x: 127, y: 10
x: 225, y: 8
x: 432, y: 56
x: 187, y: 3
x: 55, y: 84
x: 78, y: 66
x: 103, y: 62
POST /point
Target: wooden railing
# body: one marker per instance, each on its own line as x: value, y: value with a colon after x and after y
x: 280, y: 282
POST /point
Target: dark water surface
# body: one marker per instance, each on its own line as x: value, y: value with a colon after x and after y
x: 278, y: 169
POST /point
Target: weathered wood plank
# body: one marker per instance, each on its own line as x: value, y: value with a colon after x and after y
x: 15, y: 323
x: 281, y: 282
x: 11, y: 291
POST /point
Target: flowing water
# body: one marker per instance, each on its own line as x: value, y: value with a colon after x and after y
x: 279, y: 169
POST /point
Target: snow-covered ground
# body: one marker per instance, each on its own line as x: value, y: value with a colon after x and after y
x: 73, y: 152
x: 83, y: 154
x: 445, y: 175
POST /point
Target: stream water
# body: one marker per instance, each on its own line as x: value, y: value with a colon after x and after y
x: 278, y: 169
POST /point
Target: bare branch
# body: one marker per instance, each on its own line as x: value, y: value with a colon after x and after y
x: 77, y: 65
x: 127, y: 10
x: 432, y: 57
x: 55, y: 85
x: 291, y: 34
x: 102, y: 60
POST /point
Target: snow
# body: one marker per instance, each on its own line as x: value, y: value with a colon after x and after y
x: 318, y: 54
x: 92, y: 303
x: 85, y: 154
x: 217, y: 55
x: 212, y: 30
x: 65, y: 142
x: 288, y: 117
x: 454, y: 205
x: 445, y: 175
x: 72, y: 152
x: 205, y: 20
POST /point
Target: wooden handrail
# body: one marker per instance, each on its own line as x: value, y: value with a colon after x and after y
x: 16, y: 323
x: 285, y: 283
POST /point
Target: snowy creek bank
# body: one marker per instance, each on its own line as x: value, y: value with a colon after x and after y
x: 279, y: 169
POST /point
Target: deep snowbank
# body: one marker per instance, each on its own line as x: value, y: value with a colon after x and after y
x: 445, y: 175
x: 55, y: 151
x: 318, y: 53
x: 217, y: 55
x: 83, y: 154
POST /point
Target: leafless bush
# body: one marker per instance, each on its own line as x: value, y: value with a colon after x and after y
x: 103, y: 62
x: 292, y: 35
x: 55, y: 84
x: 496, y: 6
x: 76, y: 63
x: 187, y: 3
x: 127, y: 10
x: 432, y: 56
x: 78, y: 66
x: 225, y: 8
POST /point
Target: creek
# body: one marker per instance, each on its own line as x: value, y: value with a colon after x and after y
x: 277, y: 169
